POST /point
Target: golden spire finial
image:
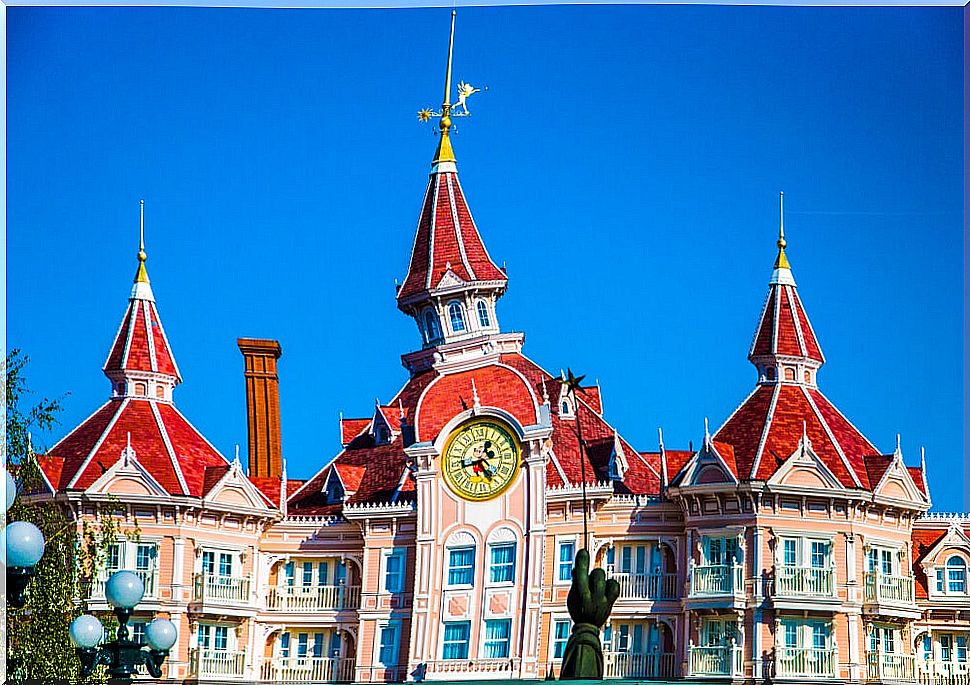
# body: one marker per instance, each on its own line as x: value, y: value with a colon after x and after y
x: 445, y: 153
x: 782, y: 261
x: 141, y: 276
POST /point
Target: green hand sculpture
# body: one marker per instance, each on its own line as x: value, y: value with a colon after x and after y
x: 590, y: 601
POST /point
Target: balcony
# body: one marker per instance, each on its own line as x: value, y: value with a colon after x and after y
x: 217, y: 663
x: 312, y: 597
x: 804, y: 662
x: 888, y: 594
x: 716, y: 581
x: 309, y: 670
x: 484, y: 669
x: 628, y: 666
x: 224, y: 590
x: 886, y: 666
x: 723, y: 661
x: 804, y: 581
x: 942, y: 673
x: 149, y: 578
x: 656, y: 586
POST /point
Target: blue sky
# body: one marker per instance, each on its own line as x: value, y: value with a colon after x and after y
x: 624, y: 163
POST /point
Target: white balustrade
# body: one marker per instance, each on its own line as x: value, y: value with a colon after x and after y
x: 716, y: 580
x: 804, y: 662
x: 804, y: 581
x: 888, y: 589
x: 716, y: 660
x: 662, y: 586
x: 309, y: 670
x: 627, y: 665
x: 149, y: 578
x: 885, y: 666
x: 217, y: 663
x: 312, y: 597
x: 221, y: 589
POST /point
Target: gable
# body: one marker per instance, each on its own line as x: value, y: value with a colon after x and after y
x: 897, y: 483
x: 805, y: 469
x: 233, y: 489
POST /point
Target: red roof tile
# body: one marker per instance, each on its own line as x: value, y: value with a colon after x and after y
x: 351, y: 428
x: 924, y: 540
x: 441, y: 243
x: 140, y: 344
x: 916, y: 473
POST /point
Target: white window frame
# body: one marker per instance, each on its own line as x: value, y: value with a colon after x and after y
x: 483, y: 651
x: 448, y: 553
x: 468, y: 641
x: 515, y: 558
x: 553, y: 640
x: 560, y: 541
x: 400, y: 553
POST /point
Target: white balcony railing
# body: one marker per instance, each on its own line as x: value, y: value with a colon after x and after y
x: 943, y: 678
x: 804, y: 662
x: 312, y: 597
x: 647, y: 585
x: 885, y: 666
x: 804, y: 581
x: 479, y: 666
x: 309, y: 670
x: 149, y: 578
x: 626, y: 665
x: 719, y: 660
x: 712, y: 581
x: 217, y: 663
x: 942, y: 668
x: 886, y: 589
x: 221, y: 589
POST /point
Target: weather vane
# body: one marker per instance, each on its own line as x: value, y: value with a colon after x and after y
x: 464, y: 90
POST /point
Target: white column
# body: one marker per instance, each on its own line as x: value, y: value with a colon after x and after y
x: 178, y: 569
x: 855, y: 671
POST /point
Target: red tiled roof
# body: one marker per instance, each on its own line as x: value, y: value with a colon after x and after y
x: 212, y: 476
x: 726, y: 450
x: 923, y: 541
x: 96, y: 445
x: 442, y: 243
x: 916, y: 473
x: 876, y: 467
x: 350, y: 475
x: 351, y: 428
x: 591, y: 396
x: 831, y: 435
x: 140, y: 344
x: 784, y: 328
x: 676, y: 460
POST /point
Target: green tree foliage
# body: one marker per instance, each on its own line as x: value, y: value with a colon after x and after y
x: 37, y: 635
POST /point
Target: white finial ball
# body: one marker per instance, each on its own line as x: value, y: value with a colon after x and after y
x: 124, y: 590
x: 161, y: 634
x: 86, y: 631
x: 24, y: 544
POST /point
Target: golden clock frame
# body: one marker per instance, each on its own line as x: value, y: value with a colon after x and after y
x: 516, y: 467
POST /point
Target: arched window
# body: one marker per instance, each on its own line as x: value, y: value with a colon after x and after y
x: 770, y: 373
x: 160, y: 392
x: 457, y: 315
x: 808, y: 376
x: 483, y: 318
x: 431, y: 325
x: 141, y: 389
x: 789, y: 374
x: 956, y: 575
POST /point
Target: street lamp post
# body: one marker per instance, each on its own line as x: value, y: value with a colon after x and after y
x: 122, y: 655
x: 24, y: 547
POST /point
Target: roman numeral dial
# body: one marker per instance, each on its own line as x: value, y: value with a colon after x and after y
x: 481, y: 459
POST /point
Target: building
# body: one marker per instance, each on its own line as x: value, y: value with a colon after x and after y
x: 438, y: 541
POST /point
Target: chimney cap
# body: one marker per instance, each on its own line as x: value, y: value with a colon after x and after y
x: 259, y: 346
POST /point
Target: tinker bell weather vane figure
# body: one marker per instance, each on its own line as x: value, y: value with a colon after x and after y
x: 465, y: 90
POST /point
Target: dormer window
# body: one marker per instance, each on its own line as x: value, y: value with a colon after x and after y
x: 565, y: 408
x: 456, y: 313
x: 160, y: 392
x: 141, y: 389
x: 483, y: 319
x: 789, y: 374
x: 956, y: 576
x: 382, y: 435
x: 431, y: 329
x: 808, y: 376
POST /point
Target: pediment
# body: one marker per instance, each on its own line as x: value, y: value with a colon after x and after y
x: 897, y: 484
x: 955, y: 539
x: 128, y: 476
x: 707, y: 467
x: 234, y: 489
x: 450, y: 279
x: 805, y: 469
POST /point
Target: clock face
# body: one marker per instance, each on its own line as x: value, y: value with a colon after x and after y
x: 481, y: 459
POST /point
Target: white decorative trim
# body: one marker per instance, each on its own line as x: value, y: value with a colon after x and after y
x: 764, y: 433
x: 782, y: 276
x: 831, y: 435
x: 98, y: 442
x: 142, y: 290
x: 457, y: 225
x: 152, y: 359
x: 169, y: 448
x: 133, y: 308
x: 810, y: 328
x: 798, y: 326
x: 431, y: 222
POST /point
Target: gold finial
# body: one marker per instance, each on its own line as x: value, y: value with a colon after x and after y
x: 141, y: 276
x: 445, y: 153
x: 782, y: 261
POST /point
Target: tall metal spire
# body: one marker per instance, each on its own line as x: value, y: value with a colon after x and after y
x: 445, y: 153
x: 782, y: 261
x: 141, y: 276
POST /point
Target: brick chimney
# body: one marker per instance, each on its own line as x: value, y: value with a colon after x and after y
x: 262, y: 406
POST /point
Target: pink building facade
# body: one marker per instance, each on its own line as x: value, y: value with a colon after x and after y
x: 437, y: 542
